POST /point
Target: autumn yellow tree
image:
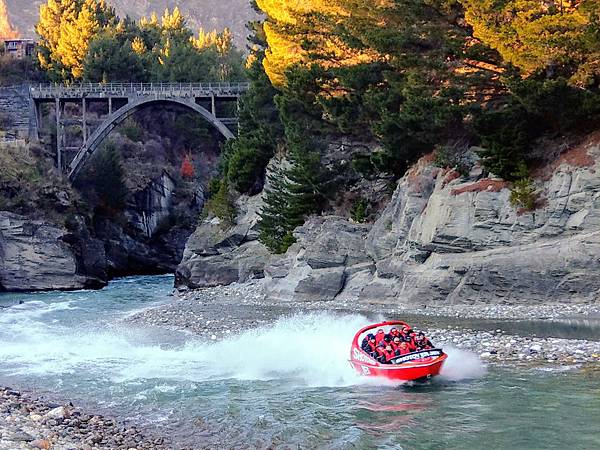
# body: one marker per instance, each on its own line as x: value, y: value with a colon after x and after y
x: 66, y: 28
x: 305, y: 32
x: 559, y: 37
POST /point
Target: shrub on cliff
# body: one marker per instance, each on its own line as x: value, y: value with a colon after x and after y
x: 220, y: 203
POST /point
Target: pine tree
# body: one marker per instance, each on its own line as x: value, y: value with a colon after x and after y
x: 294, y: 193
x: 108, y: 180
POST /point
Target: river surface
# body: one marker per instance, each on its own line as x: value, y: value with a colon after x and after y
x: 285, y: 385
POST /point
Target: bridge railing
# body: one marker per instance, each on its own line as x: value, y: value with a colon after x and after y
x: 57, y: 90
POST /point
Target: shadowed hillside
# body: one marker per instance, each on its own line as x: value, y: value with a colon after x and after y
x: 209, y: 14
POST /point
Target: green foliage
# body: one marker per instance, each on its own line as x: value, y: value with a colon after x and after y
x: 558, y: 38
x: 294, y: 193
x: 536, y: 107
x: 85, y: 40
x: 363, y: 165
x: 132, y: 130
x: 417, y: 74
x: 108, y: 180
x: 220, y: 204
x: 523, y: 193
x: 453, y: 157
x: 16, y: 71
x: 66, y: 28
x: 506, y: 139
x: 260, y: 129
x: 360, y: 211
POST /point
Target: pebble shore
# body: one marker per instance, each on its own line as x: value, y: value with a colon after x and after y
x: 216, y: 312
x: 28, y: 422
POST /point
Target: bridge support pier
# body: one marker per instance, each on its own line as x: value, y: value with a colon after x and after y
x: 59, y: 135
x: 84, y: 114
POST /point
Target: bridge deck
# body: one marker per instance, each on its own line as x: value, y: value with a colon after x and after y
x: 159, y: 90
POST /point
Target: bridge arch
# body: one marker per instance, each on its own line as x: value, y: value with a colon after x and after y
x: 121, y: 114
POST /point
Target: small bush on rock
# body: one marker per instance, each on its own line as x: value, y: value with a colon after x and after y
x: 360, y: 211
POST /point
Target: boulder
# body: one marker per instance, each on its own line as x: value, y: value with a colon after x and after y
x: 219, y: 255
x: 328, y: 250
x: 35, y: 256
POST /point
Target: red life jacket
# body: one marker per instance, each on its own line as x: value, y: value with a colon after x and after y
x: 372, y: 346
x: 395, y: 346
x: 379, y: 337
x: 412, y: 346
x: 389, y: 354
x: 404, y: 351
x: 425, y: 344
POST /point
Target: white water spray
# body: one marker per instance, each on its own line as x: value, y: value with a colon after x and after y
x: 462, y: 365
x: 307, y: 349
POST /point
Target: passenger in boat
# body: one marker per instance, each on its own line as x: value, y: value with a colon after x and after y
x: 396, y: 343
x: 403, y: 349
x: 380, y: 336
x: 394, y: 332
x: 369, y: 345
x: 422, y: 342
x: 387, y: 354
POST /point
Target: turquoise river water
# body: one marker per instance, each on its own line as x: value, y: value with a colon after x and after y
x: 248, y: 392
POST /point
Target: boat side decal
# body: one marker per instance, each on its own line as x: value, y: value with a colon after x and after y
x: 417, y: 355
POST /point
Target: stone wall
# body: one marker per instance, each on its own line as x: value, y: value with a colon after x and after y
x: 14, y: 107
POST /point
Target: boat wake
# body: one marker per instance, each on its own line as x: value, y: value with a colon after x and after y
x: 308, y: 349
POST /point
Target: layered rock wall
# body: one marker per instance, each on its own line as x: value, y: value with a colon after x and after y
x: 35, y: 256
x: 444, y: 238
x: 450, y: 239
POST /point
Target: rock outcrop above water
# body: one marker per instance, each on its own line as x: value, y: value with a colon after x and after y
x: 217, y: 254
x: 447, y: 239
x: 443, y: 239
x: 35, y: 256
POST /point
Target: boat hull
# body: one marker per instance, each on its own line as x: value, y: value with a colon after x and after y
x: 417, y: 370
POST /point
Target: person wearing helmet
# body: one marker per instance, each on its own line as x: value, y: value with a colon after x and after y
x: 394, y: 332
x: 422, y: 342
x: 369, y: 345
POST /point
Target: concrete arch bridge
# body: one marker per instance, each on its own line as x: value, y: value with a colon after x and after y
x: 120, y: 101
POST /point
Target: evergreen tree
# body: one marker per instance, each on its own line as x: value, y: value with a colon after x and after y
x: 259, y: 134
x: 560, y: 38
x: 294, y: 193
x: 108, y: 180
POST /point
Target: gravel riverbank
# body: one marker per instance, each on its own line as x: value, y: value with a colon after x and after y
x: 216, y: 312
x: 28, y: 422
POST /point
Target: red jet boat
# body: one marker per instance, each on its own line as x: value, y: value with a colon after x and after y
x: 419, y: 365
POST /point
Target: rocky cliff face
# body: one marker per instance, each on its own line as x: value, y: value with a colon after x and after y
x: 216, y: 255
x: 34, y: 255
x: 446, y: 239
